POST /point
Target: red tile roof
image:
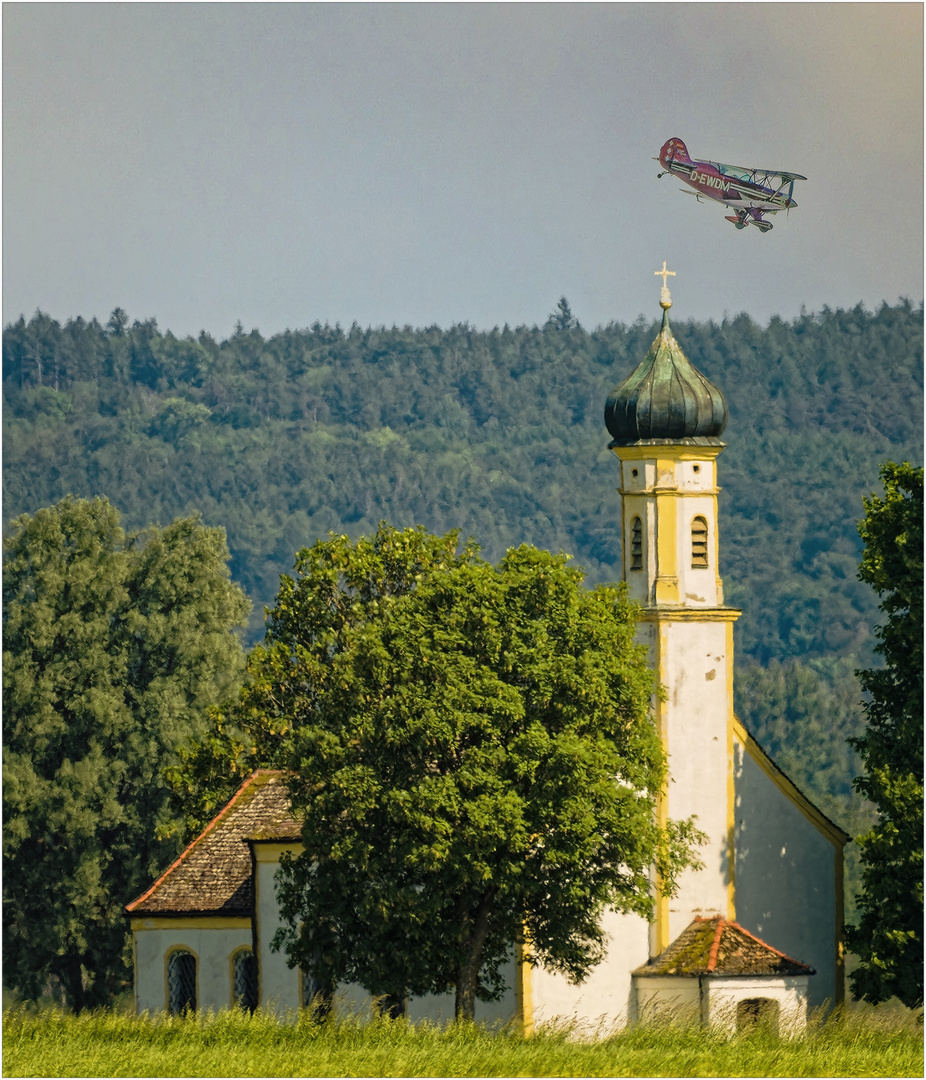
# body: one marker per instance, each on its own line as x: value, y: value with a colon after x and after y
x: 213, y: 875
x: 714, y: 946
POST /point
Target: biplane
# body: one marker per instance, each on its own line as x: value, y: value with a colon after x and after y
x: 749, y: 193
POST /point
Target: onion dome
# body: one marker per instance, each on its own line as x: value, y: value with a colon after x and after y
x: 666, y: 398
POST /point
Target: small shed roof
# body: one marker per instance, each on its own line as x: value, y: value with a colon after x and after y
x: 213, y: 875
x: 715, y: 946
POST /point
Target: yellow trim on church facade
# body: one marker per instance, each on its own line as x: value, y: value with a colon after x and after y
x: 731, y: 782
x: 190, y: 922
x: 268, y: 851
x: 524, y: 990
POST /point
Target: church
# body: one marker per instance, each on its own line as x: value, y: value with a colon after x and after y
x: 756, y: 933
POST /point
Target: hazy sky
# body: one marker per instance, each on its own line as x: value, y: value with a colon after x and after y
x: 442, y: 163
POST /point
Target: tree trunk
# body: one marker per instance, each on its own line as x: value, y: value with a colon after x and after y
x: 72, y: 979
x: 468, y: 975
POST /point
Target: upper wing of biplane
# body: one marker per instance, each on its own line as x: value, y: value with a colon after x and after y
x: 758, y: 176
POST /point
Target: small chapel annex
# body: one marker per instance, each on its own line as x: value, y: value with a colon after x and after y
x: 756, y: 933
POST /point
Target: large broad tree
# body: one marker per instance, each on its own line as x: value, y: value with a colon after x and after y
x: 338, y: 588
x: 114, y: 646
x: 889, y: 936
x: 473, y: 750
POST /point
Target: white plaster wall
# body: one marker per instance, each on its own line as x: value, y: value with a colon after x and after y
x: 645, y: 478
x: 603, y: 1001
x: 785, y: 876
x: 723, y: 994
x: 714, y: 999
x: 696, y: 673
x: 280, y: 988
x: 696, y: 475
x: 660, y: 1000
x: 439, y: 1008
x: 213, y: 950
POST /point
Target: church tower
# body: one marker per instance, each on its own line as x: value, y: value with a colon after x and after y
x: 666, y: 420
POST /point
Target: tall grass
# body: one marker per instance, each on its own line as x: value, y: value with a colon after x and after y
x: 858, y: 1042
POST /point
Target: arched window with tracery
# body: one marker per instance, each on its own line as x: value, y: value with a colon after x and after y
x: 699, y: 544
x: 636, y: 544
x: 181, y: 982
x: 244, y: 990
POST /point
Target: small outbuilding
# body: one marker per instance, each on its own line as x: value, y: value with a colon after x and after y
x: 717, y: 973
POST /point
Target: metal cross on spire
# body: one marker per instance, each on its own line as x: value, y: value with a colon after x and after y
x: 665, y: 301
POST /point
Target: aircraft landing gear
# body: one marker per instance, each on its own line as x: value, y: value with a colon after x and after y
x: 739, y: 220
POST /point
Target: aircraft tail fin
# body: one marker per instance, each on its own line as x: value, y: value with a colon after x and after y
x: 674, y: 150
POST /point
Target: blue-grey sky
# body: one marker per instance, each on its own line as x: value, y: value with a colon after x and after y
x: 442, y: 163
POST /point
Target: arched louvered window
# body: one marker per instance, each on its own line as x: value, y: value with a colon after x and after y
x: 699, y: 544
x: 244, y: 990
x: 181, y: 982
x: 636, y: 544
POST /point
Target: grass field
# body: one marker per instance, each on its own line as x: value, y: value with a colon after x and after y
x: 859, y: 1042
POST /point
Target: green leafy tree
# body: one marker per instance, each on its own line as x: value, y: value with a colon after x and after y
x: 889, y: 935
x: 113, y: 647
x: 474, y: 749
x: 338, y: 588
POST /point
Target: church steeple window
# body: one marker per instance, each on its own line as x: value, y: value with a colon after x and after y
x: 699, y: 544
x: 636, y: 544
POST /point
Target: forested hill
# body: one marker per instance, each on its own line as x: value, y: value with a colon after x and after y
x: 499, y: 434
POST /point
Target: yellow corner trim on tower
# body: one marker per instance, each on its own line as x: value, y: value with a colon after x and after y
x: 731, y: 783
x: 666, y: 583
x: 662, y: 800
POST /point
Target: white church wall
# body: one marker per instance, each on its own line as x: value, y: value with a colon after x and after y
x: 603, y: 1001
x: 439, y: 1008
x: 280, y: 988
x: 787, y: 877
x: 212, y: 941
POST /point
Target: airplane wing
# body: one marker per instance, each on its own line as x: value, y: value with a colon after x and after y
x: 751, y: 173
